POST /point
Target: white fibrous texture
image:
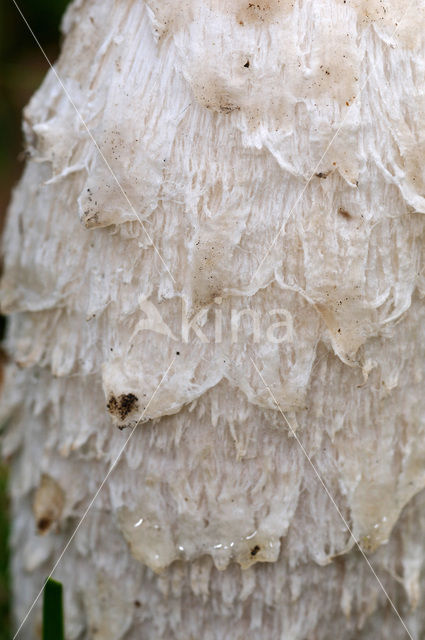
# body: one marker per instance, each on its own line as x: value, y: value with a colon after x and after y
x: 198, y: 269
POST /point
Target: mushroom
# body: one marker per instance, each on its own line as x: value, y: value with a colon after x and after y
x: 217, y: 246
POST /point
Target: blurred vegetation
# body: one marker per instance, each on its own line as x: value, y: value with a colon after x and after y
x: 53, y: 622
x: 4, y: 557
x: 22, y: 68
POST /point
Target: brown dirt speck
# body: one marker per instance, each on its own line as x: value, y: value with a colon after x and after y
x: 121, y: 406
x: 344, y: 213
x: 43, y: 525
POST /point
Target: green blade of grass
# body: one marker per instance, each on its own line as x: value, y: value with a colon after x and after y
x: 53, y: 627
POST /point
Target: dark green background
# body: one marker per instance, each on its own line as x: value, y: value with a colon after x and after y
x: 22, y: 68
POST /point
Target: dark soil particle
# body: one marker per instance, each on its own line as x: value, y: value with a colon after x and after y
x: 344, y: 213
x: 43, y: 524
x: 122, y: 405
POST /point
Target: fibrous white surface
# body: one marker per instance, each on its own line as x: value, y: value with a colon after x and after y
x: 213, y: 116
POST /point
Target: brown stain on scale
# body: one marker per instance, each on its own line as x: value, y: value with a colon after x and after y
x: 403, y: 23
x: 49, y: 500
x: 344, y: 213
x: 213, y: 94
x: 262, y: 11
x: 261, y: 549
x: 208, y: 257
x: 121, y: 406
